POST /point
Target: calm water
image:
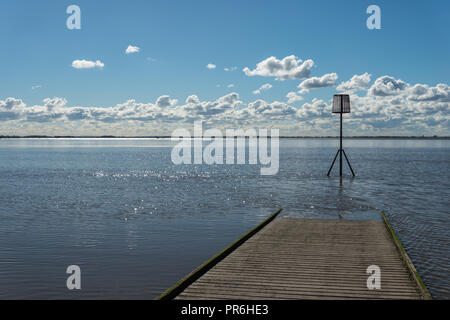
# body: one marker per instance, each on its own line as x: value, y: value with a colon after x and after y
x: 135, y: 223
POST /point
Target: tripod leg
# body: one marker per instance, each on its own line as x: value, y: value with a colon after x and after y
x: 348, y: 162
x: 328, y: 174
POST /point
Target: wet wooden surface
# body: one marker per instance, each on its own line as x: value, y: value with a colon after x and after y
x: 309, y: 259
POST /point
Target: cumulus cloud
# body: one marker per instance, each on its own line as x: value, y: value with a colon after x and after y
x: 265, y: 86
x: 11, y: 109
x: 211, y: 66
x: 317, y: 107
x: 132, y: 49
x: 293, y: 97
x: 327, y: 80
x: 289, y: 67
x: 165, y: 101
x: 192, y: 99
x: 356, y: 83
x: 387, y: 86
x: 260, y: 111
x: 423, y: 92
x: 87, y: 64
x: 222, y: 108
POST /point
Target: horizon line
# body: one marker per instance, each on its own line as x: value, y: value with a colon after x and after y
x: 423, y: 137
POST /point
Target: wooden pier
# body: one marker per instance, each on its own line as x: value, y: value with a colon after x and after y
x: 290, y: 258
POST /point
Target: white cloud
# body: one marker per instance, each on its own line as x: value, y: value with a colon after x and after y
x: 132, y: 49
x: 327, y: 80
x: 36, y: 87
x: 293, y: 97
x: 387, y: 86
x: 192, y: 99
x: 230, y: 69
x: 211, y: 66
x: 86, y: 64
x: 222, y: 108
x: 260, y: 110
x: 165, y: 101
x: 356, y: 83
x: 317, y: 108
x: 289, y: 67
x: 230, y: 85
x: 423, y: 92
x: 266, y: 86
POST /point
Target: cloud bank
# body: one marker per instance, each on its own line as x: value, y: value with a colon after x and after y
x: 389, y: 106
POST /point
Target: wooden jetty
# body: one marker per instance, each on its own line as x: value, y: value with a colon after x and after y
x: 289, y: 258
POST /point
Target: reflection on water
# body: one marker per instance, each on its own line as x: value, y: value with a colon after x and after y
x: 135, y: 223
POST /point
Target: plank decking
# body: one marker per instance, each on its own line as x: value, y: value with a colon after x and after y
x: 310, y: 259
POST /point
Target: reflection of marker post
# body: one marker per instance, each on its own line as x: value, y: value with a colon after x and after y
x: 74, y: 280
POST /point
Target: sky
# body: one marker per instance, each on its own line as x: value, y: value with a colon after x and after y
x: 150, y: 67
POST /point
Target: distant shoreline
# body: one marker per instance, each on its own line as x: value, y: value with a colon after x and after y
x: 281, y: 137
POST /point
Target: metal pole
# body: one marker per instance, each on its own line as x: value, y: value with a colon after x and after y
x: 340, y: 151
x: 348, y: 162
x: 332, y: 164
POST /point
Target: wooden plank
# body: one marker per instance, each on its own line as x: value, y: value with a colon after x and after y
x: 310, y: 259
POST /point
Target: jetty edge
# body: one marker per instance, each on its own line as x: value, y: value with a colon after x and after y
x: 406, y: 260
x: 182, y: 284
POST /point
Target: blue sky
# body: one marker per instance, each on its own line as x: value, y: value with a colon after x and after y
x: 177, y: 39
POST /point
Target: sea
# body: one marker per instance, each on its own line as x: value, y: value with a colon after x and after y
x: 135, y: 223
